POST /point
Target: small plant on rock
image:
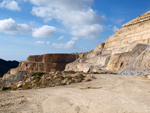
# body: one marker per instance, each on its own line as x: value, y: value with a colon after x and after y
x: 38, y: 74
x: 26, y: 86
x: 80, y: 76
x: 6, y: 88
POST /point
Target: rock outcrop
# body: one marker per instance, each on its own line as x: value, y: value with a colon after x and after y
x: 121, y: 60
x: 135, y: 31
x: 123, y: 50
x: 47, y: 62
x: 90, y: 61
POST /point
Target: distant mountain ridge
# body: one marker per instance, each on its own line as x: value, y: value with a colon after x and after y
x: 6, y: 66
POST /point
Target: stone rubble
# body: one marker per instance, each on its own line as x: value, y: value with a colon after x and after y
x: 41, y: 80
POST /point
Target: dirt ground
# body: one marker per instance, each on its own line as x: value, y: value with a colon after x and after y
x: 106, y: 94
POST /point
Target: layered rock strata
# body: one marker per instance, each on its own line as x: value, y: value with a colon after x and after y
x: 47, y: 62
x: 119, y: 50
x: 91, y: 61
x: 135, y: 31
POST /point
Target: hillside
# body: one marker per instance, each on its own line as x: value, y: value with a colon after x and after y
x: 7, y: 65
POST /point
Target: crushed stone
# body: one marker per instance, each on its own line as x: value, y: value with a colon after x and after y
x: 133, y: 72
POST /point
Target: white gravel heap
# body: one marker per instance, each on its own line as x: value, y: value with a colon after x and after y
x: 133, y: 72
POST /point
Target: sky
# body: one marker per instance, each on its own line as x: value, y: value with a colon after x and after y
x: 34, y: 27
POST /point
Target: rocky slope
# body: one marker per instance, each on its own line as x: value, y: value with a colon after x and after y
x: 7, y: 65
x: 38, y: 63
x: 120, y: 50
x: 31, y: 80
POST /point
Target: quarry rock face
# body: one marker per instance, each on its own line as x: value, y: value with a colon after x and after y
x: 135, y: 31
x: 123, y: 50
x: 90, y: 60
x: 47, y: 62
x: 121, y: 60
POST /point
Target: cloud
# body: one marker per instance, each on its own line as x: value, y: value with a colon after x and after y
x: 69, y: 44
x: 63, y: 4
x: 10, y: 4
x: 120, y: 20
x: 109, y: 25
x: 11, y: 27
x: 71, y: 13
x: 44, y: 32
x: 42, y: 42
x: 47, y: 42
x: 115, y: 29
x: 73, y: 17
x: 87, y: 31
x: 74, y: 38
x: 61, y: 37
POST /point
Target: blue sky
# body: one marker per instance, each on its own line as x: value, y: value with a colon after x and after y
x: 34, y: 27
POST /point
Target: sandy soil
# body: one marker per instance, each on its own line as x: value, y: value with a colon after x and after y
x: 106, y: 94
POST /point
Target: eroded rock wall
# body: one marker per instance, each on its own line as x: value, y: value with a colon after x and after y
x: 135, y: 31
x: 90, y: 61
x: 119, y: 50
x: 47, y: 62
x: 121, y: 60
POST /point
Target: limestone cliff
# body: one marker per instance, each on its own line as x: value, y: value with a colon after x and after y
x: 119, y: 50
x: 135, y: 31
x: 47, y: 62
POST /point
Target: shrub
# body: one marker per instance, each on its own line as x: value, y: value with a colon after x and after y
x: 80, y: 76
x: 38, y: 74
x: 6, y: 88
x: 26, y: 86
x: 59, y: 73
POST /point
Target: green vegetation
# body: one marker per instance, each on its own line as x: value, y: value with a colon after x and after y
x: 80, y: 76
x: 59, y: 73
x: 144, y: 17
x: 6, y: 88
x: 26, y: 86
x: 38, y: 74
x: 137, y: 22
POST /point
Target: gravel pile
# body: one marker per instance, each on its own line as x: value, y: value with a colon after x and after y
x: 133, y: 72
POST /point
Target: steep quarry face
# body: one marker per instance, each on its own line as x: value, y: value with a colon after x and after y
x: 90, y: 61
x: 47, y: 62
x: 121, y: 60
x: 119, y: 50
x: 135, y: 31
